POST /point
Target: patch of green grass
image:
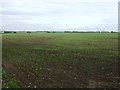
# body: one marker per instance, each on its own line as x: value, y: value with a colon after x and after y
x: 11, y: 84
x: 46, y: 48
x: 8, y: 82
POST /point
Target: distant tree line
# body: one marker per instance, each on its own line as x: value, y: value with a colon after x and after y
x: 89, y: 32
x: 62, y: 32
x: 9, y: 32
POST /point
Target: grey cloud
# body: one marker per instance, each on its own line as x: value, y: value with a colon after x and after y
x: 58, y: 13
x: 21, y: 13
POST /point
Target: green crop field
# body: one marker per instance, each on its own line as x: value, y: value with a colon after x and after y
x: 58, y: 60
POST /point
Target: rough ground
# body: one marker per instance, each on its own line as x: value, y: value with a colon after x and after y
x: 62, y: 60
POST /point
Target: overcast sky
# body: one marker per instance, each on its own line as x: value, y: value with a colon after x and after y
x: 59, y: 14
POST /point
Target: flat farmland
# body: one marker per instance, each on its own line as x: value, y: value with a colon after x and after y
x: 60, y: 60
